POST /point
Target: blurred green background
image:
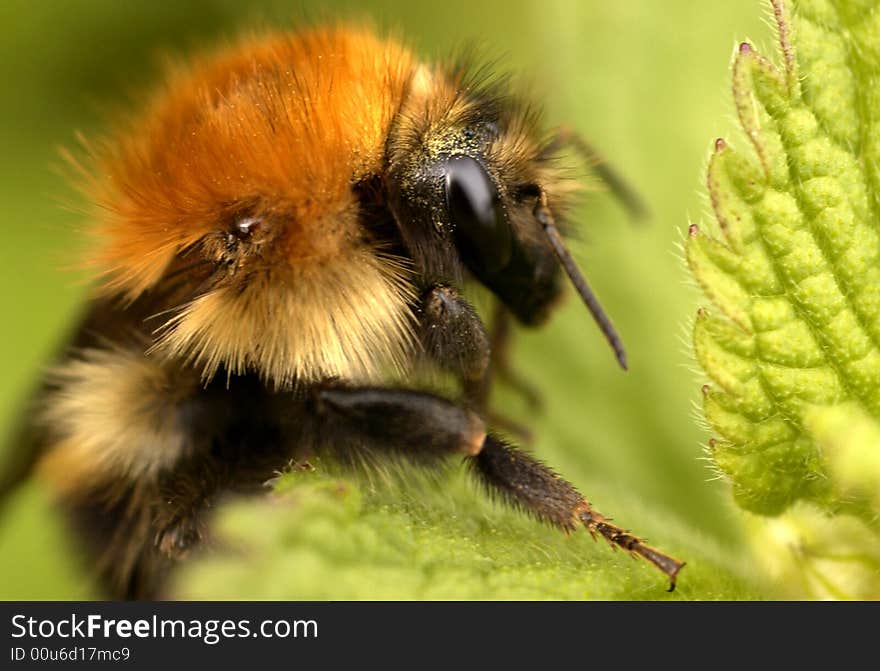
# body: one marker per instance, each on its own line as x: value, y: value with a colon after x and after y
x: 645, y: 80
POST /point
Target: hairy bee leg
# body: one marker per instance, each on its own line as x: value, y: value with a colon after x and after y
x: 182, y: 501
x: 529, y: 484
x: 135, y: 533
x: 418, y: 425
x: 240, y: 460
x: 500, y: 369
x: 141, y: 533
x: 453, y: 335
x: 500, y: 339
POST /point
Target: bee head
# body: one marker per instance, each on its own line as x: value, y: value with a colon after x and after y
x: 474, y: 188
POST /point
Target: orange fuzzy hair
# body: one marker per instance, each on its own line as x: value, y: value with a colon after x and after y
x: 290, y: 121
x: 282, y: 126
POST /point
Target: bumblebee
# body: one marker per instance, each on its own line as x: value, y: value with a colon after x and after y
x: 282, y: 237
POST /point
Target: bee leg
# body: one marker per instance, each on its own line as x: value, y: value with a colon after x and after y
x: 183, y: 500
x: 137, y: 532
x: 453, y: 336
x: 422, y: 426
x: 239, y: 459
x: 500, y: 369
x: 414, y: 424
x: 500, y: 366
x: 527, y: 483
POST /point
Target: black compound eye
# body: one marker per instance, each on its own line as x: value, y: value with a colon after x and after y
x: 476, y: 213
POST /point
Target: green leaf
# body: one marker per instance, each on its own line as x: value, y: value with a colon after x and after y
x: 792, y: 343
x: 412, y: 535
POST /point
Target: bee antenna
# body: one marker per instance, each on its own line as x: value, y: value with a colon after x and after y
x: 619, y: 187
x: 545, y: 218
